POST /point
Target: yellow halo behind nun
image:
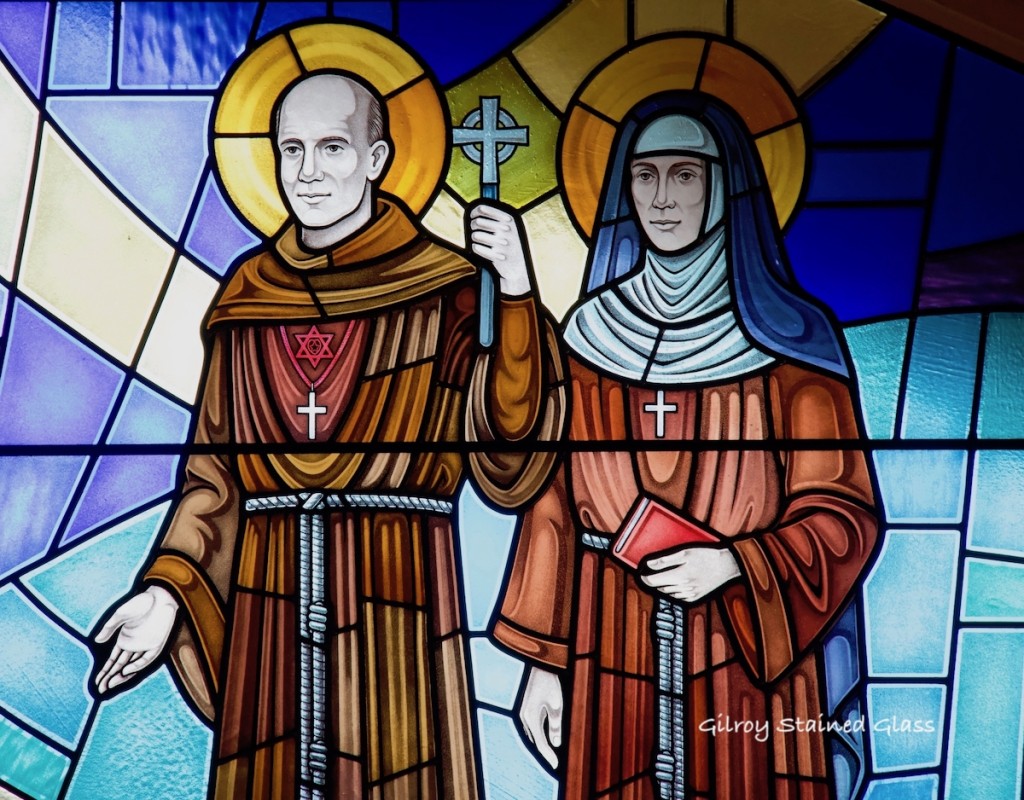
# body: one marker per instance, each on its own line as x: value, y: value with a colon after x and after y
x: 243, y: 144
x: 670, y: 63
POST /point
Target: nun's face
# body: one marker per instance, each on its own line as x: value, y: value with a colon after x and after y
x: 668, y: 195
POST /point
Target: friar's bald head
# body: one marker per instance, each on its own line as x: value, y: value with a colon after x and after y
x: 331, y: 145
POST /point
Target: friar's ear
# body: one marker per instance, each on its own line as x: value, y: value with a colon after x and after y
x: 379, y: 153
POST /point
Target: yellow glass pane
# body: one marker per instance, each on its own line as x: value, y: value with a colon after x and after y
x: 559, y: 255
x: 419, y: 135
x: 654, y: 67
x: 173, y: 355
x: 87, y: 257
x: 560, y: 56
x: 803, y: 38
x: 584, y: 157
x: 784, y: 153
x: 253, y: 89
x: 658, y: 16
x: 361, y: 51
x: 18, y: 134
x: 530, y: 171
x: 747, y: 86
x: 248, y: 171
x: 445, y: 218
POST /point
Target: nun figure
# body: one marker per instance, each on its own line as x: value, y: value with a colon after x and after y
x: 714, y: 513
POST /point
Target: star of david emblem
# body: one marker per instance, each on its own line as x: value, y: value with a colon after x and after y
x: 314, y: 346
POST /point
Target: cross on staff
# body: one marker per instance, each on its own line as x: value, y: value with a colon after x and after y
x: 488, y: 136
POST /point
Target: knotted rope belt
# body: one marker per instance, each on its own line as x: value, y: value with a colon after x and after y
x: 670, y: 631
x: 314, y: 507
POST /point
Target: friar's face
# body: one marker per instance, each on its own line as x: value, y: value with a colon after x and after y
x: 668, y: 196
x: 327, y: 164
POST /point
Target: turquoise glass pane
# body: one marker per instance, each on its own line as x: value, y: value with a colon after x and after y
x: 920, y: 787
x: 906, y: 725
x: 1001, y: 415
x: 987, y: 738
x: 83, y: 45
x: 993, y: 590
x: 82, y: 584
x: 29, y: 765
x: 908, y: 611
x: 511, y: 772
x: 53, y: 700
x: 496, y: 675
x: 922, y: 485
x: 940, y: 382
x: 997, y: 497
x: 877, y: 352
x: 146, y: 743
x: 486, y: 537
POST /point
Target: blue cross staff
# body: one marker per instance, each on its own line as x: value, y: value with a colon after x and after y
x: 488, y: 136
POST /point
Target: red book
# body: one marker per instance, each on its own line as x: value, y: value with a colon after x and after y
x: 654, y: 528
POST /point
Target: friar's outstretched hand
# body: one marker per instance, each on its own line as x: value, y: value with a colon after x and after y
x: 143, y: 624
x: 496, y: 235
x: 540, y: 712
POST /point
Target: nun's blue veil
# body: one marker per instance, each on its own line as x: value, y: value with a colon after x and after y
x: 772, y: 311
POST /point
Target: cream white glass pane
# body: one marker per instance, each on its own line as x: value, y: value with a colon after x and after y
x: 444, y: 218
x: 173, y: 355
x: 88, y: 258
x: 17, y: 135
x: 559, y: 255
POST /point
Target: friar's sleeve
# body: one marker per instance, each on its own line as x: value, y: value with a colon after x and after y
x: 516, y: 406
x: 194, y: 557
x: 538, y: 602
x: 800, y: 574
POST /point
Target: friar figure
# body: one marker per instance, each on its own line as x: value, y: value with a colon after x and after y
x: 307, y: 583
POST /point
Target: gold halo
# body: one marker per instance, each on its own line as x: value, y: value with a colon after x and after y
x: 673, y: 63
x: 242, y: 142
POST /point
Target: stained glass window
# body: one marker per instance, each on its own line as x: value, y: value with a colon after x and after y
x: 141, y: 167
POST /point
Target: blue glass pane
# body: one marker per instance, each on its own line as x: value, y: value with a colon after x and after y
x: 54, y: 390
x: 454, y: 37
x: 906, y: 725
x: 29, y: 765
x: 940, y: 383
x: 987, y: 737
x: 496, y: 675
x: 34, y: 494
x: 377, y: 12
x: 485, y: 537
x: 277, y: 14
x: 997, y: 497
x: 842, y: 664
x: 877, y: 351
x: 978, y: 193
x: 847, y: 747
x: 144, y: 743
x: 22, y: 33
x: 217, y: 237
x: 1001, y: 415
x: 80, y: 585
x: 83, y: 45
x: 860, y: 261
x: 123, y: 136
x: 920, y: 787
x: 993, y: 591
x: 908, y: 611
x: 4, y: 297
x: 181, y: 45
x: 511, y: 772
x: 53, y: 700
x: 889, y: 91
x: 869, y: 175
x: 922, y: 485
x: 118, y: 485
x: 147, y: 418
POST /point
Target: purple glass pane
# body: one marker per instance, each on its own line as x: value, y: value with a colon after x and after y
x: 148, y: 418
x: 217, y: 237
x: 34, y: 493
x: 22, y: 33
x: 54, y: 390
x: 120, y: 484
